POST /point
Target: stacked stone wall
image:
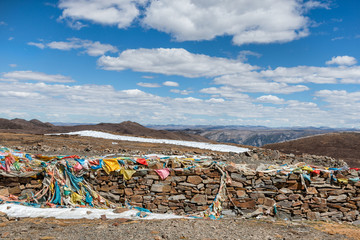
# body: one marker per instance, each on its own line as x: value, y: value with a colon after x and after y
x: 327, y: 196
x: 280, y: 194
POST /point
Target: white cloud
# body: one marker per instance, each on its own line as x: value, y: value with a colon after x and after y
x: 148, y: 85
x: 110, y: 12
x: 253, y: 82
x: 13, y: 65
x: 2, y: 23
x: 18, y: 94
x: 35, y: 76
x: 270, y: 99
x: 319, y: 75
x: 243, y: 55
x: 215, y: 100
x: 340, y: 98
x: 77, y: 25
x: 342, y: 106
x: 316, y: 4
x: 101, y: 103
x: 148, y: 77
x: 172, y: 61
x: 80, y: 102
x: 182, y: 92
x: 189, y: 100
x: 178, y: 61
x: 228, y: 73
x: 247, y: 21
x: 342, y: 60
x: 39, y: 45
x: 226, y: 92
x: 11, y: 38
x: 63, y: 45
x: 337, y: 38
x: 14, y: 114
x: 89, y: 47
x: 170, y: 84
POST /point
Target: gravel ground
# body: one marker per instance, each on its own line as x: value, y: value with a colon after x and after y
x: 232, y: 228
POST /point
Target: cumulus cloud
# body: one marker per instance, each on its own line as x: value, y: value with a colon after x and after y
x: 89, y: 47
x: 234, y: 74
x: 229, y: 72
x: 248, y: 21
x: 120, y: 13
x: 342, y: 60
x: 148, y: 85
x: 35, y: 76
x: 172, y: 61
x: 170, y: 84
x: 270, y: 99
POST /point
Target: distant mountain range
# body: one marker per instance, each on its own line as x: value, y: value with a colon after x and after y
x: 250, y: 135
x: 244, y: 135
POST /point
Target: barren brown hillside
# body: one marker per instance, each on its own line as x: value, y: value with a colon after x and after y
x: 127, y: 128
x: 344, y: 146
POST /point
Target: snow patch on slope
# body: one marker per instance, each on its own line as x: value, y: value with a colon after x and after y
x: 202, y: 145
x: 15, y: 210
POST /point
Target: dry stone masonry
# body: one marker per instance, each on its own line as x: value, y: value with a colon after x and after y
x: 293, y: 191
x: 276, y: 193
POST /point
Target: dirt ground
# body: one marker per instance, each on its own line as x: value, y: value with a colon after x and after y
x: 231, y: 228
x: 89, y: 146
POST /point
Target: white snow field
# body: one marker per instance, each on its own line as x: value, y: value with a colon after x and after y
x: 16, y: 210
x: 202, y: 145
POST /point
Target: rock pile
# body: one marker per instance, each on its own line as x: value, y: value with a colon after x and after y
x: 19, y: 186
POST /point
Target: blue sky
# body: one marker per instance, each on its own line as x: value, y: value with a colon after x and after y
x: 223, y: 62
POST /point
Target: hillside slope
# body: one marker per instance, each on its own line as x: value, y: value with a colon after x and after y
x: 18, y: 123
x: 125, y: 128
x: 253, y: 136
x: 345, y: 145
